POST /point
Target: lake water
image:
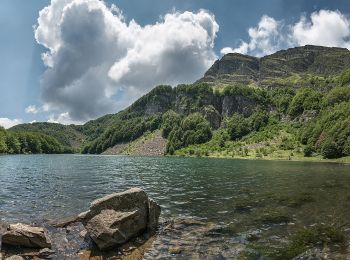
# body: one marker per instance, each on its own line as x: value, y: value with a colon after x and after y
x: 268, y: 198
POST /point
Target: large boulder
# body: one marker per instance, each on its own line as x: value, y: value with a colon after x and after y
x: 116, y: 218
x: 110, y: 227
x: 26, y: 236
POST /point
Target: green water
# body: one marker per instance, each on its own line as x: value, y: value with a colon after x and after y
x: 275, y: 198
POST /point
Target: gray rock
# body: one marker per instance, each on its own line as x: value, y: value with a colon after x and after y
x: 14, y: 257
x: 26, y: 236
x: 116, y: 218
x: 111, y: 228
x: 153, y: 215
x: 123, y: 201
x: 46, y: 252
x: 3, y: 228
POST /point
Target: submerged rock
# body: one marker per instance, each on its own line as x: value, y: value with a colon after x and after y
x: 27, y: 236
x: 14, y: 257
x: 115, y: 219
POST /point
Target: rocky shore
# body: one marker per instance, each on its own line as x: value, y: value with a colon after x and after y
x: 118, y: 226
x: 126, y: 226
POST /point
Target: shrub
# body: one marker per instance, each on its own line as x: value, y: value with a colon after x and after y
x: 170, y: 119
x: 305, y: 99
x: 308, y: 150
x: 238, y: 126
x: 193, y: 129
x: 330, y: 150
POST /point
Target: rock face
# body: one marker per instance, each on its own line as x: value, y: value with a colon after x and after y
x: 116, y: 218
x: 233, y: 67
x: 238, y: 68
x: 26, y: 236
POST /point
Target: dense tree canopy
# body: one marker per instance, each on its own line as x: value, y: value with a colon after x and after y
x: 27, y: 143
x: 304, y: 113
x: 193, y: 129
x: 305, y: 99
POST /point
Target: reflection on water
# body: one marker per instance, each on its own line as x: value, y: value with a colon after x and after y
x: 259, y: 199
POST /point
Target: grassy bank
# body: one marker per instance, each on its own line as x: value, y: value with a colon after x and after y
x: 276, y: 142
x: 343, y: 160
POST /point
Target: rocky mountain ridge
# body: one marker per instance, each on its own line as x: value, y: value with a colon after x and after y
x: 317, y: 60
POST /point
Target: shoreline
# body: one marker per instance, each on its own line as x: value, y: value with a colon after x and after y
x: 340, y: 161
x: 333, y: 161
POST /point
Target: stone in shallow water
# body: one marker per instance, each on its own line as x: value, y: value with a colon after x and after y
x: 14, y: 257
x: 27, y: 236
x: 110, y: 228
x: 153, y: 215
x: 115, y: 219
x: 3, y: 228
x: 123, y: 201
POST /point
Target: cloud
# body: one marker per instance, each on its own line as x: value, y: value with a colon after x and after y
x: 31, y: 109
x: 62, y: 118
x: 325, y: 27
x: 8, y: 123
x: 266, y: 38
x: 97, y: 63
x: 179, y: 49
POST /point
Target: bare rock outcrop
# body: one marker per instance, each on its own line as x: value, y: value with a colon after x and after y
x: 27, y: 236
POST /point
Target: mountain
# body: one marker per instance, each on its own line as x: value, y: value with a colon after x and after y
x: 312, y: 60
x: 290, y: 104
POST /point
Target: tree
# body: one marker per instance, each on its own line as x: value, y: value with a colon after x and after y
x: 12, y: 143
x: 330, y: 150
x: 170, y: 119
x: 259, y: 119
x: 238, y: 126
x: 193, y: 129
x: 305, y: 99
x: 344, y: 78
x: 308, y: 150
x: 337, y: 95
x: 3, y: 146
x: 196, y: 129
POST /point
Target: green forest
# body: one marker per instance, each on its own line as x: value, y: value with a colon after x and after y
x: 28, y: 143
x: 303, y: 114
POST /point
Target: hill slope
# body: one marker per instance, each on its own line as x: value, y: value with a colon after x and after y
x: 275, y: 106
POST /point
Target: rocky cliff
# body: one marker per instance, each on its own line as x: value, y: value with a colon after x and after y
x: 309, y: 59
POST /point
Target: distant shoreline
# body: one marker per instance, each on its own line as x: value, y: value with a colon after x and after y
x: 311, y: 160
x: 343, y: 160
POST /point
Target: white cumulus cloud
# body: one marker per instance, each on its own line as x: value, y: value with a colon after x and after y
x: 8, y: 123
x: 94, y: 54
x: 324, y: 27
x: 62, y: 118
x: 266, y: 38
x: 31, y: 109
x: 327, y: 28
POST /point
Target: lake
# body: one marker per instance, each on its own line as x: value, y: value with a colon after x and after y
x: 240, y: 200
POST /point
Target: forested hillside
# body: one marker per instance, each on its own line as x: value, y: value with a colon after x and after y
x: 292, y: 104
x: 28, y: 143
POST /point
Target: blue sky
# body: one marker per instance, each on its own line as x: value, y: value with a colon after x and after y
x: 27, y: 83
